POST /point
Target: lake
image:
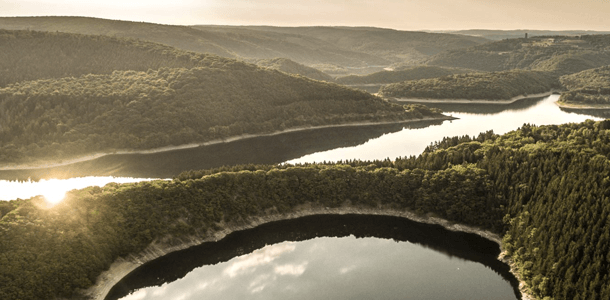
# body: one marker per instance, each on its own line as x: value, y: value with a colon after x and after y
x: 330, y: 144
x: 328, y: 257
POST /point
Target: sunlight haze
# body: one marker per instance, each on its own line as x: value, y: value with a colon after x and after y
x: 404, y: 15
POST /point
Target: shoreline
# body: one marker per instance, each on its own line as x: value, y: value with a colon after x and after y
x: 473, y: 101
x: 123, y: 266
x: 208, y: 143
x: 583, y: 106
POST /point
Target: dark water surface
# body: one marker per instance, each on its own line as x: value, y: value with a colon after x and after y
x: 329, y: 257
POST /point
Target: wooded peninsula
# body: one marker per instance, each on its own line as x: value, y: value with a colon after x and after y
x: 492, y: 86
x: 543, y: 189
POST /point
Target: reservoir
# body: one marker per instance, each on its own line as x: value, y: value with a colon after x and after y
x: 329, y: 144
x: 328, y: 257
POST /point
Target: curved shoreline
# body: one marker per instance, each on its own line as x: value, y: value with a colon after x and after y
x: 473, y: 101
x: 208, y: 143
x: 583, y: 106
x: 123, y: 266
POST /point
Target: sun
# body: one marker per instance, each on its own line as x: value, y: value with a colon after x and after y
x: 53, y: 190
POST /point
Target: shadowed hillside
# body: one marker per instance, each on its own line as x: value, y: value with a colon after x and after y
x: 62, y: 118
x: 288, y: 66
x: 558, y: 54
x: 30, y: 55
x: 359, y: 47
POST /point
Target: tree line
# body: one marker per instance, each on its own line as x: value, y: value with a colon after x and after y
x: 485, y: 86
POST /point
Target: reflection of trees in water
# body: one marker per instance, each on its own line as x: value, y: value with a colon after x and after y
x: 176, y: 265
x: 260, y: 150
x: 599, y: 113
x: 484, y: 109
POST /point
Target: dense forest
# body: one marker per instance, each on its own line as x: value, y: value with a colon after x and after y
x: 485, y: 86
x: 589, y: 87
x: 31, y: 55
x: 558, y: 54
x: 69, y: 117
x: 288, y: 66
x: 544, y: 189
x: 411, y: 73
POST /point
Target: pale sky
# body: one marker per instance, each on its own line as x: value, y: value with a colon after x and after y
x: 398, y: 14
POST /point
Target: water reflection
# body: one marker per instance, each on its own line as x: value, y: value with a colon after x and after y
x: 598, y: 113
x: 471, y: 121
x: 375, y: 258
x: 484, y: 109
x: 261, y: 150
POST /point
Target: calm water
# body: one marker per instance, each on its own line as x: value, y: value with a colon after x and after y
x: 366, y: 143
x: 328, y: 257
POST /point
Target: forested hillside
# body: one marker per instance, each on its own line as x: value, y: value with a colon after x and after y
x: 389, y: 44
x: 474, y: 86
x: 341, y: 46
x: 559, y: 54
x: 590, y: 87
x: 30, y: 55
x: 288, y: 66
x: 69, y: 117
x: 412, y: 73
x: 555, y: 181
x: 544, y: 189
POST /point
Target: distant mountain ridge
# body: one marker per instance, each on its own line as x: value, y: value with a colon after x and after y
x: 291, y: 67
x: 558, y: 54
x: 519, y: 33
x: 347, y: 47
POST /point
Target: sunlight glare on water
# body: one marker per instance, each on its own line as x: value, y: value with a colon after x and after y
x: 54, y: 190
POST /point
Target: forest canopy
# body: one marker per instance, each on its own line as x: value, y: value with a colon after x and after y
x: 475, y: 86
x: 545, y: 189
x: 590, y: 87
x: 31, y: 55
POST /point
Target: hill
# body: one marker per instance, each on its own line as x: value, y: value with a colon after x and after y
x: 31, y: 55
x: 543, y: 189
x: 513, y: 34
x: 63, y: 118
x: 309, y: 46
x: 288, y: 66
x: 411, y: 73
x: 389, y: 44
x: 559, y: 54
x: 587, y: 88
x: 475, y: 86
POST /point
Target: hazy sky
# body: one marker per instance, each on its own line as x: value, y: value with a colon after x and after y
x: 398, y: 14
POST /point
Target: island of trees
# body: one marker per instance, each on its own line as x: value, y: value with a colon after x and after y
x: 543, y: 189
x: 503, y: 85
